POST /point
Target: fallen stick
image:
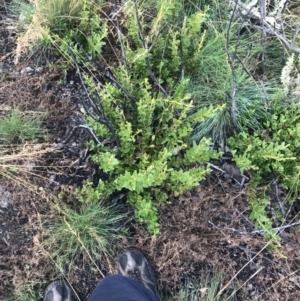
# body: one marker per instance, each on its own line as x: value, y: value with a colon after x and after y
x: 262, y: 231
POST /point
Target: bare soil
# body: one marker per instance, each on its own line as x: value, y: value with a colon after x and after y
x: 193, y: 240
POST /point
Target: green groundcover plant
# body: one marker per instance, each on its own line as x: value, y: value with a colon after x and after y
x: 153, y: 156
x: 271, y: 151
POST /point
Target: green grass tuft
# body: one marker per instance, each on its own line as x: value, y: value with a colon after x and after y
x: 29, y: 291
x: 91, y: 231
x: 206, y: 288
x: 18, y: 127
x: 48, y: 23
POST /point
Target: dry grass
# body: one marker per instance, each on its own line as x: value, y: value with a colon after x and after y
x: 18, y: 162
x: 48, y: 15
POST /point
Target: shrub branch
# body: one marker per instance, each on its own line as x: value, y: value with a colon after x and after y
x: 151, y: 73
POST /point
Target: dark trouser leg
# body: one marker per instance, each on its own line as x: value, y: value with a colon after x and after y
x: 121, y: 288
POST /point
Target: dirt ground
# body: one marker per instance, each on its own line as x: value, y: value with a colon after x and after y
x: 193, y: 240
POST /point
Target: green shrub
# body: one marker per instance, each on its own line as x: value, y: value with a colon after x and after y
x: 153, y: 127
x: 92, y: 230
x: 273, y: 149
x: 19, y: 127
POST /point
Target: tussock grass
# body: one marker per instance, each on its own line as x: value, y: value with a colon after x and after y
x: 19, y: 127
x: 205, y: 291
x: 212, y: 80
x: 91, y: 231
x: 29, y: 291
x: 18, y: 153
x: 39, y: 18
x: 206, y: 288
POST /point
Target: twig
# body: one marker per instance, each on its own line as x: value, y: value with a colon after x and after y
x: 229, y: 282
x: 250, y: 13
x: 231, y: 62
x: 249, y: 48
x: 284, y: 238
x: 267, y: 28
x: 283, y: 46
x: 243, y: 284
x: 263, y: 35
x: 88, y: 129
x: 276, y: 283
x: 117, y: 9
x: 255, y: 253
x: 262, y: 231
x: 84, y: 87
x: 280, y: 37
x: 223, y: 171
x: 284, y: 6
x: 181, y: 54
x: 147, y: 51
x: 260, y: 81
x: 101, y: 115
x: 262, y: 84
x: 104, y: 121
x: 120, y: 38
x: 270, y: 261
x: 275, y: 184
x: 157, y: 36
x: 106, y: 72
x: 295, y: 33
x: 215, y: 167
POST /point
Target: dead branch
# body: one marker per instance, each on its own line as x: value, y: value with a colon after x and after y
x: 288, y: 45
x: 108, y: 75
x: 262, y: 231
x: 224, y: 172
x: 120, y: 35
x: 269, y: 24
x: 88, y: 129
x: 101, y: 118
x: 275, y: 184
x: 231, y: 63
x: 263, y: 35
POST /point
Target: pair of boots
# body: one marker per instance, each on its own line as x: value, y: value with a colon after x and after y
x: 135, y: 276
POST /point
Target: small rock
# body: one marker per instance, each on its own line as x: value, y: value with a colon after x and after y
x: 29, y: 69
x: 5, y: 197
x: 30, y: 165
x: 202, y: 194
x: 176, y: 194
x: 52, y: 179
x: 253, y: 293
x: 4, y: 203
